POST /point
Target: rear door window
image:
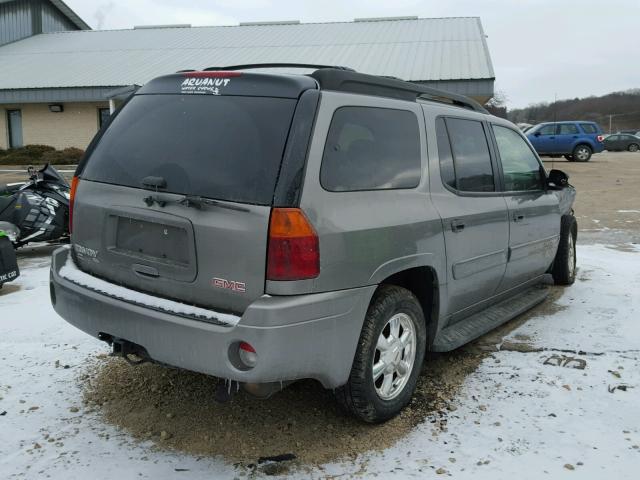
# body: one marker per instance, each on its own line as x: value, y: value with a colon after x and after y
x: 371, y: 148
x: 568, y: 129
x: 471, y: 157
x: 219, y: 147
x: 520, y: 166
x: 447, y: 170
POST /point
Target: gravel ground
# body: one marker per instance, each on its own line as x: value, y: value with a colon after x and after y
x: 175, y: 409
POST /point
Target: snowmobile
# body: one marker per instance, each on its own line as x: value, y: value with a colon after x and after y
x: 8, y: 263
x: 36, y: 210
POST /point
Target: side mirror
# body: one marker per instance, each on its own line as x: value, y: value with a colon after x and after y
x: 537, y: 134
x: 557, y: 179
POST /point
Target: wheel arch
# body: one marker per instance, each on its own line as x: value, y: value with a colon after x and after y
x: 422, y: 281
x: 584, y: 142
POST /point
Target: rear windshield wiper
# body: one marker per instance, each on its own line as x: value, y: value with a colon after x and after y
x: 193, y: 201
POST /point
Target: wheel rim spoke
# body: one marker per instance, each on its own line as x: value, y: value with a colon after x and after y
x: 378, y: 369
x: 406, y: 338
x: 387, y: 384
x: 403, y: 368
x: 383, y: 343
x: 395, y: 327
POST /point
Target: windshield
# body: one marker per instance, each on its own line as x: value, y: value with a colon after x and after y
x: 227, y: 148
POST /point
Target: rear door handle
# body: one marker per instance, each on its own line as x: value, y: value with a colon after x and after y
x: 457, y: 226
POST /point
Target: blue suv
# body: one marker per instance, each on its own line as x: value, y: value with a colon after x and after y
x: 577, y: 141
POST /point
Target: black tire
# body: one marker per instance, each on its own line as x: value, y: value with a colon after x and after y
x: 359, y: 396
x: 569, y: 157
x: 582, y: 153
x: 634, y: 147
x: 564, y: 265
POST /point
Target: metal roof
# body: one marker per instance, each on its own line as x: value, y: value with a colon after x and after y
x: 426, y: 49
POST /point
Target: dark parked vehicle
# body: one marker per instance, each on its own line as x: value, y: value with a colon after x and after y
x: 576, y: 140
x: 621, y: 142
x: 266, y: 228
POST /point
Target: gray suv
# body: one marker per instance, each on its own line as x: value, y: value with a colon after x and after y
x: 264, y: 228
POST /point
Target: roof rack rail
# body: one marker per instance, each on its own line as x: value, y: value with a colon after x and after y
x: 346, y: 79
x: 351, y: 81
x: 279, y: 65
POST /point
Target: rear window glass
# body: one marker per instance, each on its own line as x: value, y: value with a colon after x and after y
x: 226, y: 148
x: 588, y: 128
x: 371, y: 149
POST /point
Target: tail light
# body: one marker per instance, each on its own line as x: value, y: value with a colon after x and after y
x: 600, y: 138
x: 72, y: 197
x: 293, y: 252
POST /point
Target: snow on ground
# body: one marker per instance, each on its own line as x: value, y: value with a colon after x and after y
x: 516, y: 416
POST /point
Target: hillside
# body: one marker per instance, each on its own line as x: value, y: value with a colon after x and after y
x: 623, y: 106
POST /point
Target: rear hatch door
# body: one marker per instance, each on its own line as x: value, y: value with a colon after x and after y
x: 175, y: 198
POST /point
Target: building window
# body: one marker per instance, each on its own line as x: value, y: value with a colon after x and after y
x: 14, y: 122
x: 103, y: 116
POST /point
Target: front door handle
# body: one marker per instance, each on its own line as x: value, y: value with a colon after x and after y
x: 518, y: 217
x: 457, y: 226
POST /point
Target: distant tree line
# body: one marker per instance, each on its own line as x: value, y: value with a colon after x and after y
x: 622, y: 108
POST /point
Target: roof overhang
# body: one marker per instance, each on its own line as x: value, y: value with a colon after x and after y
x: 45, y: 95
x: 480, y: 89
x: 70, y: 14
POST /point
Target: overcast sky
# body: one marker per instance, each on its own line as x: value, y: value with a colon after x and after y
x: 539, y: 48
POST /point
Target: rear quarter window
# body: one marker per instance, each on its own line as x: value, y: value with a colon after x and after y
x: 588, y: 128
x: 370, y: 148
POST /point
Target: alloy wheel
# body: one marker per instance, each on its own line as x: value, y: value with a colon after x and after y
x: 571, y: 254
x: 394, y: 356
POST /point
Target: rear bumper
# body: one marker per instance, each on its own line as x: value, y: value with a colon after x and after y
x: 303, y: 336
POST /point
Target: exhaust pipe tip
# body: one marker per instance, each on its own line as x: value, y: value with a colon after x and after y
x: 264, y: 390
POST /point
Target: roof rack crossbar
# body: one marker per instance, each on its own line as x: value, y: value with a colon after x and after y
x: 278, y: 65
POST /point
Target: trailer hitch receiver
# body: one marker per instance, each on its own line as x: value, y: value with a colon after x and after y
x: 133, y: 353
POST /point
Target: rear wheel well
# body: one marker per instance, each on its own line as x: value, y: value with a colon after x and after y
x: 423, y: 283
x: 583, y: 144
